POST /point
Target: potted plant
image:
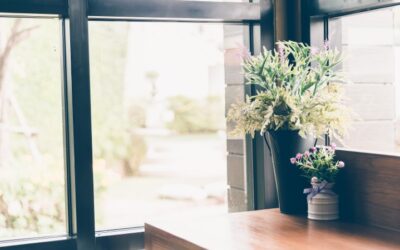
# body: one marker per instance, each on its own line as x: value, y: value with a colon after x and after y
x: 298, y: 99
x: 320, y: 168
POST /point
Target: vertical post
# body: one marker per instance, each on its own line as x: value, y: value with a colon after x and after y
x: 78, y: 116
x: 305, y: 22
x: 326, y: 38
x: 264, y: 179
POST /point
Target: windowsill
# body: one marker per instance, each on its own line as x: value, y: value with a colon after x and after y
x: 34, y: 240
x: 119, y: 231
x: 370, y: 152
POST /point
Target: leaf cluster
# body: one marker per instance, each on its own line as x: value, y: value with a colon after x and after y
x: 298, y: 89
x: 320, y: 164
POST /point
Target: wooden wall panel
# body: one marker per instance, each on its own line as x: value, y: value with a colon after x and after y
x: 369, y: 189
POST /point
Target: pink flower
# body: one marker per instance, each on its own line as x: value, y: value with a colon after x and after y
x: 281, y: 52
x: 307, y: 154
x: 313, y: 149
x: 341, y: 164
x: 293, y: 160
x: 299, y: 156
x: 333, y: 146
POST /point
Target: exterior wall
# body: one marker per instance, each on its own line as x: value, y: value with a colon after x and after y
x: 369, y: 44
x: 235, y: 92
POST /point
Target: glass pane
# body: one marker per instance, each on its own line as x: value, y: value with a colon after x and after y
x: 158, y: 120
x: 370, y: 42
x: 31, y: 132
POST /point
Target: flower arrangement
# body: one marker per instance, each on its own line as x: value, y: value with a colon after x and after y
x: 319, y: 164
x: 298, y: 90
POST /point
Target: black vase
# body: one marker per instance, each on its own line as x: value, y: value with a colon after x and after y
x: 289, y: 183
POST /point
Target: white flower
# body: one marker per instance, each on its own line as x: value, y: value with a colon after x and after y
x: 314, y: 180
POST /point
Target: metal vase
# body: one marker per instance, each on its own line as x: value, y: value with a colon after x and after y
x: 289, y: 183
x: 324, y: 206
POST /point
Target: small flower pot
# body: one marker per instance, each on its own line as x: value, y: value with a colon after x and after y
x: 324, y: 203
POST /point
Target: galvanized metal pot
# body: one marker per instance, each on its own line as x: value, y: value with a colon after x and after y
x: 324, y: 205
x: 289, y: 183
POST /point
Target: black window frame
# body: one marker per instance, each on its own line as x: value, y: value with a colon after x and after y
x: 74, y: 16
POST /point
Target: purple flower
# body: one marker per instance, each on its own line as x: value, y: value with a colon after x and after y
x: 307, y: 154
x: 293, y: 160
x: 281, y: 53
x: 313, y: 149
x: 333, y: 146
x: 299, y: 156
x: 340, y: 164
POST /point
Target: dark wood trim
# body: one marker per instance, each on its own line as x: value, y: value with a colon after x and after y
x: 55, y: 7
x: 174, y: 10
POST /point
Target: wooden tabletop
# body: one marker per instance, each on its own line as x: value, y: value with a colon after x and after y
x: 265, y: 229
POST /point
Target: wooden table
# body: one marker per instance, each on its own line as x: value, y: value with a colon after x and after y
x: 265, y: 229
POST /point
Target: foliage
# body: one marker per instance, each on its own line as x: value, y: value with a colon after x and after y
x: 22, y: 207
x: 192, y: 116
x: 297, y: 90
x: 119, y: 146
x: 319, y: 164
x: 114, y: 141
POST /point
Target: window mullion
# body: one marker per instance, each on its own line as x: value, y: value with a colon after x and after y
x: 79, y: 124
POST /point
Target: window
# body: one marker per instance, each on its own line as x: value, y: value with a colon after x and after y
x: 31, y: 130
x: 48, y: 139
x: 370, y: 42
x: 158, y: 120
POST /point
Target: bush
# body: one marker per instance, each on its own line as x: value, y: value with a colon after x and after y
x: 121, y: 149
x: 196, y: 116
x: 23, y: 208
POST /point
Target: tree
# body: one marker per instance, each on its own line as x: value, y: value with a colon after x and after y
x: 17, y: 34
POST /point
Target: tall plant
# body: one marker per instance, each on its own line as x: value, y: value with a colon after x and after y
x: 297, y: 90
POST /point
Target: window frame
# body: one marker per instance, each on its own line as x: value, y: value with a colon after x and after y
x: 74, y: 16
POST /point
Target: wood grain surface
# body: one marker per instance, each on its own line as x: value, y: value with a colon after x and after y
x: 369, y: 189
x: 265, y: 229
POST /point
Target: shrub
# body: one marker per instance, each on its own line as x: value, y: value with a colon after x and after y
x: 196, y: 116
